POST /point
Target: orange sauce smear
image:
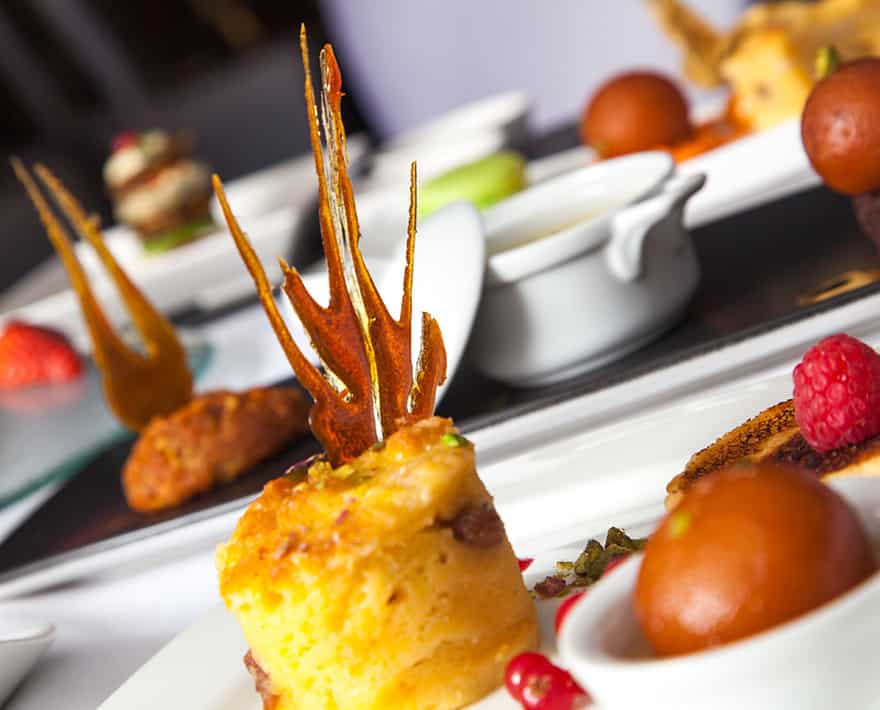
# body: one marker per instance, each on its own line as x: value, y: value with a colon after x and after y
x: 710, y: 135
x: 137, y: 386
x: 370, y: 390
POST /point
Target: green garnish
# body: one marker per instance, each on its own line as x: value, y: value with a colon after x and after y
x: 678, y: 524
x: 455, y: 440
x: 378, y: 446
x: 589, y: 565
x: 827, y: 61
x: 180, y: 235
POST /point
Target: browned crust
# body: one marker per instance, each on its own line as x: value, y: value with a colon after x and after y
x: 747, y: 440
x: 262, y: 682
x: 211, y: 440
x: 773, y: 435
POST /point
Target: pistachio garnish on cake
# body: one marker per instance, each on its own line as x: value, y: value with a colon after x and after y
x: 379, y: 574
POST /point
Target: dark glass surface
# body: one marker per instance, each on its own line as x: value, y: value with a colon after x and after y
x: 756, y: 266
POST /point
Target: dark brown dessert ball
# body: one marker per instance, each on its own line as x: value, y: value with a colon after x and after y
x: 840, y: 127
x: 635, y: 111
x: 747, y: 548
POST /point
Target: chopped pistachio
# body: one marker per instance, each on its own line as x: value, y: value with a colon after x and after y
x: 679, y: 522
x: 454, y: 440
x: 590, y: 564
x: 592, y: 552
x: 827, y: 61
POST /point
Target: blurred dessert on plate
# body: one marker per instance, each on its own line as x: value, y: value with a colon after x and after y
x: 767, y: 63
x: 767, y: 59
x: 188, y: 442
x: 158, y: 189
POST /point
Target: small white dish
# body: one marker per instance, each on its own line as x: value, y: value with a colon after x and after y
x: 450, y: 248
x: 22, y: 644
x: 824, y: 659
x: 506, y: 112
x: 584, y: 268
x: 464, y: 134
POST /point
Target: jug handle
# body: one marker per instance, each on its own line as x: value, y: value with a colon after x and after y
x: 631, y: 225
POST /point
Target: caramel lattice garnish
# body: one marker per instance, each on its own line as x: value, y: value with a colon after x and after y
x: 138, y: 386
x: 369, y: 390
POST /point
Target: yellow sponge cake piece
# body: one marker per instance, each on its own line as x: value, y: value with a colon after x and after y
x: 387, y: 582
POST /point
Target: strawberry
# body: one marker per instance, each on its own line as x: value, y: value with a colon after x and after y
x: 32, y: 355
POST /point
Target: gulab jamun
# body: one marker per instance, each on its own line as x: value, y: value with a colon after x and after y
x: 840, y: 128
x: 635, y: 111
x: 748, y: 548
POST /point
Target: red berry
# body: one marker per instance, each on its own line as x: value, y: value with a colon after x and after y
x: 565, y: 608
x: 521, y: 668
x: 616, y: 562
x: 525, y: 563
x: 31, y: 355
x: 837, y: 393
x: 539, y: 685
x: 552, y: 689
x: 124, y: 139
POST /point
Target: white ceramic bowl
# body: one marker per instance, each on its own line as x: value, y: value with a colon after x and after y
x: 825, y: 659
x: 613, y: 269
x: 22, y: 644
x: 460, y: 136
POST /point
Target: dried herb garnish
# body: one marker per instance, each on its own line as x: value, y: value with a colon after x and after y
x: 589, y: 565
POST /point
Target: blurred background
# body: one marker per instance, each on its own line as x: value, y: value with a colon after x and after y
x: 73, y: 73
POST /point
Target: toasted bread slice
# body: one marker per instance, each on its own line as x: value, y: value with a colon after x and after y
x: 773, y: 435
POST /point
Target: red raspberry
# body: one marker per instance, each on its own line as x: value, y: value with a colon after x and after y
x: 837, y: 393
x: 31, y: 355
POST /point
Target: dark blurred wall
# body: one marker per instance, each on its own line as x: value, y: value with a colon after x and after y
x: 75, y: 72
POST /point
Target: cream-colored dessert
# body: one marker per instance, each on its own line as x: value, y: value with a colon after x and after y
x: 157, y: 189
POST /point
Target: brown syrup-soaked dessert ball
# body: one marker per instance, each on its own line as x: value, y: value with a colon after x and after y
x: 840, y: 127
x: 748, y: 548
x: 635, y: 111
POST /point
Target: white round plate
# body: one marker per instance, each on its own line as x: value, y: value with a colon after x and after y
x: 202, y: 668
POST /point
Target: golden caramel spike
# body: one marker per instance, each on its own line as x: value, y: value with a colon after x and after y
x: 702, y: 45
x: 137, y: 387
x: 366, y: 352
